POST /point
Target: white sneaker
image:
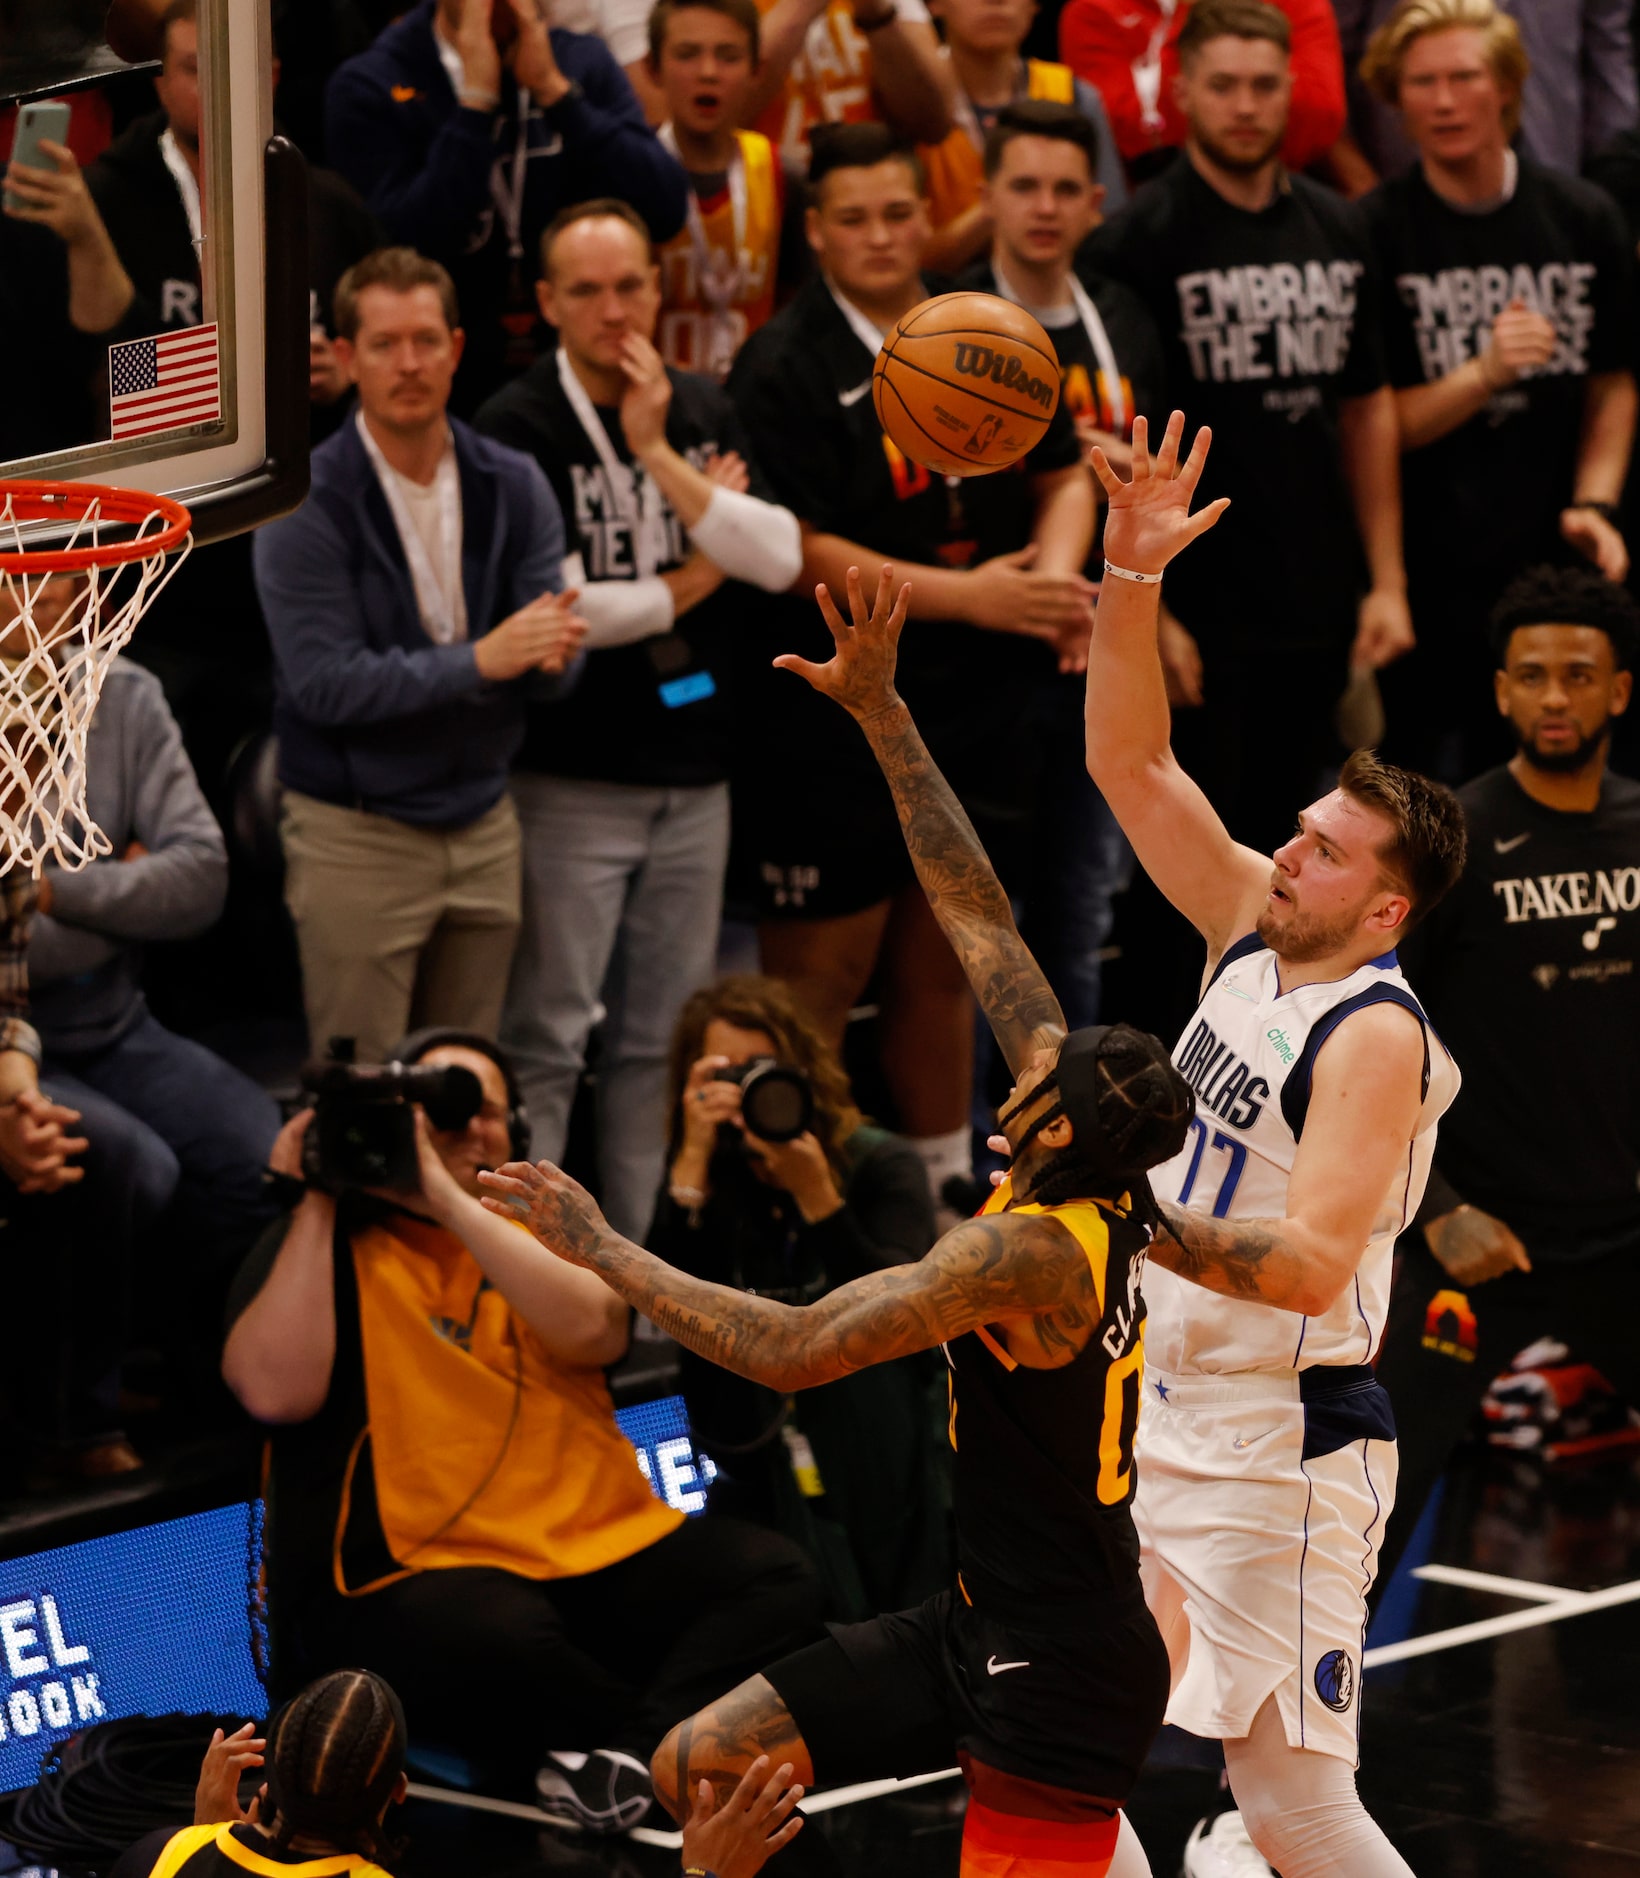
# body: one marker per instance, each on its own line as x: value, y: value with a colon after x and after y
x: 1220, y: 1848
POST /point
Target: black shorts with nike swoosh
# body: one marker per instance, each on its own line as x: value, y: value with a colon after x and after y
x: 1073, y: 1704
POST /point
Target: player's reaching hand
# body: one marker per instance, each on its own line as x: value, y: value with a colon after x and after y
x: 860, y: 674
x: 738, y: 1838
x: 216, y: 1797
x: 1149, y: 519
x: 558, y: 1210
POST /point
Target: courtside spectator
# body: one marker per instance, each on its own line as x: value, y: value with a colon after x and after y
x: 1129, y: 51
x: 63, y: 293
x: 851, y: 1471
x: 1530, y: 1225
x: 407, y: 600
x: 1582, y: 92
x: 621, y: 787
x: 1509, y: 334
x: 1043, y: 199
x: 452, y: 1498
x: 185, y: 1110
x: 1262, y: 286
x: 718, y: 275
x: 982, y: 42
x: 997, y: 598
x: 848, y: 62
x: 466, y: 127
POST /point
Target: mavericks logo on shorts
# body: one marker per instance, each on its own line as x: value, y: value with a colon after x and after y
x: 1335, y: 1680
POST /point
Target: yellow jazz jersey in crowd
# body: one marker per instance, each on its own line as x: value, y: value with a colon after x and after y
x: 829, y: 81
x: 227, y: 1852
x: 955, y: 168
x: 482, y: 1448
x: 718, y: 271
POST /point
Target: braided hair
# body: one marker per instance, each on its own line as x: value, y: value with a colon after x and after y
x: 334, y: 1756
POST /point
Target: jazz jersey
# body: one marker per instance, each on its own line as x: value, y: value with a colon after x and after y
x: 1249, y: 1053
x: 1043, y: 1480
x: 718, y: 272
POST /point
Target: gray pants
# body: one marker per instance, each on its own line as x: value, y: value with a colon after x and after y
x: 399, y: 926
x: 623, y: 892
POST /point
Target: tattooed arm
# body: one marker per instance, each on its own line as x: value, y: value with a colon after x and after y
x: 954, y: 869
x: 985, y: 1271
x: 1350, y: 1171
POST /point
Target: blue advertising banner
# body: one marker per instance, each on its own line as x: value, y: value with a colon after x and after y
x: 149, y: 1622
x: 666, y: 1453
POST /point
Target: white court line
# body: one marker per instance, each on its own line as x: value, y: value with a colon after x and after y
x: 1549, y: 1606
x: 1572, y: 1604
x: 1521, y: 1588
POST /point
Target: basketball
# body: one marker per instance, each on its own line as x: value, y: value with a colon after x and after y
x: 966, y: 384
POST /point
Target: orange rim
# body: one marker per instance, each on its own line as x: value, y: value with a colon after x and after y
x: 68, y: 504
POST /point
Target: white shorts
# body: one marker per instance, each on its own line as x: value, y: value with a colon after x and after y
x: 1260, y: 1511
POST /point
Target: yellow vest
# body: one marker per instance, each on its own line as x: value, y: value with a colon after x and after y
x: 829, y: 83
x: 955, y: 168
x: 685, y: 337
x: 486, y: 1450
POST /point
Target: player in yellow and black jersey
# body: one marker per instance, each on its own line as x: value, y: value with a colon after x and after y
x: 1040, y: 1669
x: 335, y: 1766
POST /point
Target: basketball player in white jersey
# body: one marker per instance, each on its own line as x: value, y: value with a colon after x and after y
x: 1266, y: 1449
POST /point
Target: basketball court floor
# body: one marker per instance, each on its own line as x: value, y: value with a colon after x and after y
x: 1501, y: 1727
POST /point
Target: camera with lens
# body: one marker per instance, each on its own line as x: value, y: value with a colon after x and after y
x: 363, y: 1132
x: 776, y: 1102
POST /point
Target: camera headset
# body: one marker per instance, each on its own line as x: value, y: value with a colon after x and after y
x: 411, y: 1049
x: 1115, y: 1067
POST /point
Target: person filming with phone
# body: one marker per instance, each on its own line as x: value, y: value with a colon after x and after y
x: 778, y: 1185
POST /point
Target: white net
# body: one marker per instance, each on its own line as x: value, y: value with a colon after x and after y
x: 59, y: 631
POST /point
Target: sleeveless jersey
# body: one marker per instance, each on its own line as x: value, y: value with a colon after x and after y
x: 955, y: 168
x: 220, y: 1852
x: 1249, y: 1053
x: 1044, y: 1476
x: 684, y: 338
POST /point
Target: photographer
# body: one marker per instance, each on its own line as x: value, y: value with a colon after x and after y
x: 851, y: 1470
x: 452, y: 1500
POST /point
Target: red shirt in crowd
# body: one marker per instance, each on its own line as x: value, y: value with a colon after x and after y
x: 1127, y: 50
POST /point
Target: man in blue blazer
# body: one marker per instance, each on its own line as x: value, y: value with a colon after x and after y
x: 412, y: 603
x: 466, y: 127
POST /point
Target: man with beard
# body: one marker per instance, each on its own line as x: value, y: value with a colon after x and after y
x: 1267, y: 1450
x: 1531, y: 1221
x: 1262, y: 286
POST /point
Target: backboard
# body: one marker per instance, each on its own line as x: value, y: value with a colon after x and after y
x: 235, y: 458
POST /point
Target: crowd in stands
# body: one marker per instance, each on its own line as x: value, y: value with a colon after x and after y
x: 595, y: 295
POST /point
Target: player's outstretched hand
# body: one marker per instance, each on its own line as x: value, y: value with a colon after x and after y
x: 860, y: 674
x: 739, y: 1837
x: 1149, y: 519
x: 558, y: 1210
x: 216, y: 1797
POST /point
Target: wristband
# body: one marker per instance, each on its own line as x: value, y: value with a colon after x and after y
x: 1607, y: 511
x: 687, y: 1196
x: 877, y: 21
x: 1129, y: 573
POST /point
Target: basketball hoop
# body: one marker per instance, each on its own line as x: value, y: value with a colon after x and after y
x: 120, y: 547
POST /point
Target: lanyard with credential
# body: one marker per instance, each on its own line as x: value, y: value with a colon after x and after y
x: 628, y: 486
x: 508, y: 190
x: 1103, y: 352
x: 721, y: 278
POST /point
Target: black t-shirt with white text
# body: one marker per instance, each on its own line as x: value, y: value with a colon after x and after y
x: 1485, y: 499
x: 1267, y: 320
x: 656, y: 712
x: 1530, y: 971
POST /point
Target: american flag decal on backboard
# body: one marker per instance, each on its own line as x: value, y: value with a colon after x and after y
x: 164, y: 382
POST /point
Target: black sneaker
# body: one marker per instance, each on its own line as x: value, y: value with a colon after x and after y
x: 602, y: 1792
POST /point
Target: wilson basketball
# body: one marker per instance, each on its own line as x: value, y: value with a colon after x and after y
x: 966, y: 383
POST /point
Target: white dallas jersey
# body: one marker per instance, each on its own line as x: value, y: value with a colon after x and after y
x: 1248, y: 1054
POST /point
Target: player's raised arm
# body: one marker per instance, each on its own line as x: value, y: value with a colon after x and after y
x: 1007, y: 1265
x: 1218, y: 885
x: 954, y: 869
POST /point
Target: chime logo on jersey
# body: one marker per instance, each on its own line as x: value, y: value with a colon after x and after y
x: 1453, y: 311
x: 1335, y: 1680
x: 1221, y: 1080
x: 1285, y: 321
x: 1450, y: 1308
